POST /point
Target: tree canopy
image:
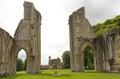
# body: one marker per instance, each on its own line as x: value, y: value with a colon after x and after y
x: 66, y: 59
x: 88, y: 58
x: 19, y: 64
x: 108, y: 24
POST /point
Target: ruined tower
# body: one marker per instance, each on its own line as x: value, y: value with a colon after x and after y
x: 27, y: 37
x: 81, y: 34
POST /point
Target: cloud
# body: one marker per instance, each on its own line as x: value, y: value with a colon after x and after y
x: 22, y: 54
x: 72, y: 5
x: 99, y: 10
x: 10, y: 16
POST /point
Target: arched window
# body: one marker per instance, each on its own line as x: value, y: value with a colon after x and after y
x: 21, y: 60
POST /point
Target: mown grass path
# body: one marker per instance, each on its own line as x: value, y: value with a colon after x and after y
x: 64, y: 74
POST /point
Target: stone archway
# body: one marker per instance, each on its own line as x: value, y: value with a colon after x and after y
x: 18, y: 45
x: 79, y: 58
x: 83, y: 46
x: 88, y: 58
x: 22, y: 55
x: 21, y: 58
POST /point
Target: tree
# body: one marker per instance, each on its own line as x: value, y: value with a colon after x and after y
x: 19, y: 64
x: 66, y: 59
x: 25, y: 64
x: 88, y: 58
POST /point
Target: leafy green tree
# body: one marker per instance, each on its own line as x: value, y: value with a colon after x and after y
x: 25, y: 64
x: 66, y: 59
x: 19, y: 64
x: 88, y: 58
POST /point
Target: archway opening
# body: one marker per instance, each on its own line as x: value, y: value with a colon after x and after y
x: 21, y: 62
x: 88, y: 58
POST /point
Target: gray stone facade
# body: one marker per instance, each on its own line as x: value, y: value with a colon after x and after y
x: 27, y: 37
x: 105, y: 47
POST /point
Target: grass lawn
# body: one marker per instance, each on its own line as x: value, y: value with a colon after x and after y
x: 64, y: 74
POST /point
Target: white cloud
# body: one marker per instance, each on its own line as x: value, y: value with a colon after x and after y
x: 100, y: 10
x: 72, y: 5
x: 22, y: 54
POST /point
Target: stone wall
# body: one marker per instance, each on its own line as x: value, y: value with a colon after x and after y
x: 6, y: 43
x: 105, y: 47
x: 27, y: 37
x: 80, y: 32
x: 116, y: 58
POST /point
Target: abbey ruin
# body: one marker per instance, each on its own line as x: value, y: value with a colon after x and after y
x: 106, y: 47
x: 27, y: 37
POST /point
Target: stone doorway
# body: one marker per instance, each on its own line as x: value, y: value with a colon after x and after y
x: 86, y: 46
x: 22, y: 56
x: 88, y: 58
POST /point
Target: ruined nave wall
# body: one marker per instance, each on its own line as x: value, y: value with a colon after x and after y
x: 6, y: 43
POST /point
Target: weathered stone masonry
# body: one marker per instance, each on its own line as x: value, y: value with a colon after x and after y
x: 27, y: 37
x: 81, y: 35
x: 6, y: 43
x: 107, y: 51
x: 106, y: 47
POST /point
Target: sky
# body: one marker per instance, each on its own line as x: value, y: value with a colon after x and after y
x: 55, y: 15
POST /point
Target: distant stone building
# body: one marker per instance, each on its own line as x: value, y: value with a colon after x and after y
x: 44, y: 67
x: 55, y: 63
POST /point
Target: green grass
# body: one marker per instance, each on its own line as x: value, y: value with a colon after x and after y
x: 64, y: 74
